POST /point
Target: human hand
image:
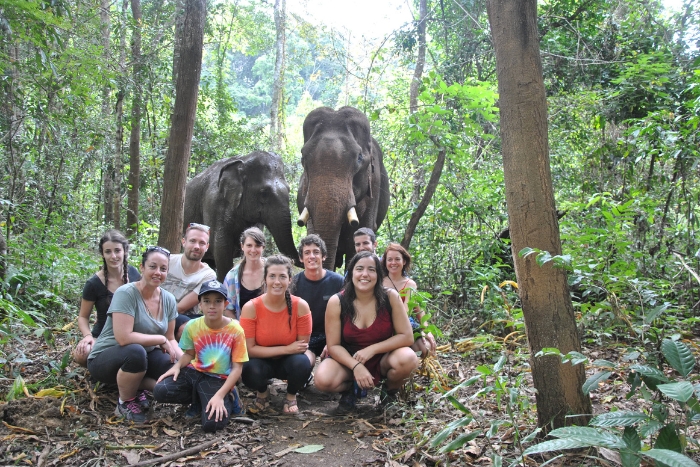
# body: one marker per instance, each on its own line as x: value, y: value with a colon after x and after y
x: 297, y: 347
x: 363, y: 377
x: 363, y: 355
x: 85, y: 345
x: 168, y: 348
x: 216, y: 407
x: 174, y: 371
x: 430, y: 343
x: 324, y: 352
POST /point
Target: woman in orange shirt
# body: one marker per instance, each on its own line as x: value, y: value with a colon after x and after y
x: 277, y: 327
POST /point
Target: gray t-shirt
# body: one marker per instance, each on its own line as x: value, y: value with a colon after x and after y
x: 180, y: 284
x: 127, y: 299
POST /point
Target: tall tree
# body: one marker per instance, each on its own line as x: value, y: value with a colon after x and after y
x: 277, y: 106
x: 420, y: 59
x: 108, y: 154
x: 180, y: 142
x: 132, y: 214
x: 119, y: 114
x: 547, y: 309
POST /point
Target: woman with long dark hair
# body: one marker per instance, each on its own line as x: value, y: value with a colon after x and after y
x: 368, y: 336
x: 99, y: 290
x: 245, y: 281
x: 137, y: 343
x: 277, y: 327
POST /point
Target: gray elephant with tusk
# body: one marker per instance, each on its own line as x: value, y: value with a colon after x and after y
x: 344, y: 185
x: 234, y: 194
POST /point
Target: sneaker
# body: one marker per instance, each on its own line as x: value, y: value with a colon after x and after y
x: 238, y: 408
x: 130, y: 410
x: 142, y: 399
x: 309, y: 381
x: 194, y: 411
x: 347, y: 401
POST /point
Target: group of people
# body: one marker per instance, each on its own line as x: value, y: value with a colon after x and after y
x: 172, y: 329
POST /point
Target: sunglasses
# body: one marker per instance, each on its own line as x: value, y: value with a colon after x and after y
x: 194, y: 225
x: 159, y: 249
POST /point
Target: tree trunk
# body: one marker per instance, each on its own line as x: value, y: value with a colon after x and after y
x: 119, y: 113
x: 547, y: 309
x: 420, y: 59
x: 108, y: 171
x: 182, y: 126
x: 277, y: 106
x: 132, y: 213
x: 425, y: 200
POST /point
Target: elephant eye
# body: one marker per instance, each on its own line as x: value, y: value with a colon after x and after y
x: 359, y: 158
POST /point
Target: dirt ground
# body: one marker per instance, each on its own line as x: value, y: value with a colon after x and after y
x: 72, y: 425
x: 77, y: 427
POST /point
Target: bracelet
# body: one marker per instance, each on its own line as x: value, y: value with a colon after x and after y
x: 353, y: 368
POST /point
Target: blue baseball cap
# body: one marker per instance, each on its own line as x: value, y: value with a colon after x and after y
x: 213, y: 286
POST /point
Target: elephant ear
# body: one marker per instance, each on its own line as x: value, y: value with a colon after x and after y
x: 231, y: 181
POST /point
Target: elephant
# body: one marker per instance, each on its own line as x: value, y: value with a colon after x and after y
x: 344, y: 184
x: 234, y: 194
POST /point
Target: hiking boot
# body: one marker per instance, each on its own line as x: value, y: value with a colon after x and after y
x: 142, y: 399
x: 347, y: 401
x: 238, y: 408
x: 388, y: 397
x: 130, y: 410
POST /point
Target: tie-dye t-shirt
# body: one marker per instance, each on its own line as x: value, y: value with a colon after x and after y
x: 214, y: 349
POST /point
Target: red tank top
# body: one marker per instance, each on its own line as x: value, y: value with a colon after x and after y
x: 354, y: 338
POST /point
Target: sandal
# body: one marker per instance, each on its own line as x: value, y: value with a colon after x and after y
x: 290, y: 406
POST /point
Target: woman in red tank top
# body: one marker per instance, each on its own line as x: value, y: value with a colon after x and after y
x: 368, y: 336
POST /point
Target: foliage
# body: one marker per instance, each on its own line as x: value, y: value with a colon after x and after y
x: 673, y: 403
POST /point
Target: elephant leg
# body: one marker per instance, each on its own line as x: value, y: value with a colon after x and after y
x: 224, y: 256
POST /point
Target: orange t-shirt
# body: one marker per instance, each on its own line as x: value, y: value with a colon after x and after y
x: 273, y: 328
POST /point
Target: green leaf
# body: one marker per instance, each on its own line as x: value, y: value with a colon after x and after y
x: 668, y: 439
x: 589, y: 436
x: 463, y: 384
x: 650, y: 428
x: 651, y: 373
x: 620, y: 418
x: 678, y: 355
x: 555, y: 445
x: 593, y: 381
x: 670, y: 458
x: 17, y: 389
x: 630, y: 456
x: 309, y: 448
x: 439, y: 438
x: 681, y: 391
x: 460, y: 441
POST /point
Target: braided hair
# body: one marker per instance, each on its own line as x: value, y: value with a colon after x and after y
x: 348, y: 295
x: 258, y: 237
x: 281, y: 260
x: 116, y: 237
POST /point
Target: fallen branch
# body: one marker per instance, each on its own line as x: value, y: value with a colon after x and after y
x: 695, y: 275
x: 177, y: 455
x: 116, y: 447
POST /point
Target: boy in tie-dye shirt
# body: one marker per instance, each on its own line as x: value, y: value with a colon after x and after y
x: 214, y: 352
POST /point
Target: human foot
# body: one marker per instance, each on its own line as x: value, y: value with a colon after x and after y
x: 290, y: 406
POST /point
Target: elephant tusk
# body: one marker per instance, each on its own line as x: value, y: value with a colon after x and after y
x: 303, y: 217
x: 352, y: 218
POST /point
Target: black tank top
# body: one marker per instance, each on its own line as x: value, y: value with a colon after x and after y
x: 247, y: 295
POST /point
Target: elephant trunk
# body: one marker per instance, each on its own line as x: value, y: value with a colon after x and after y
x: 281, y: 229
x: 328, y: 202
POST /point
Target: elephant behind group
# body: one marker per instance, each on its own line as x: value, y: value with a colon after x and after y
x: 344, y: 184
x: 234, y: 194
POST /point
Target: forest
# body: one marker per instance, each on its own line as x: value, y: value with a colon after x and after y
x: 88, y: 103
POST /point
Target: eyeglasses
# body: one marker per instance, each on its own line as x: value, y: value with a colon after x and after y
x: 159, y: 249
x: 194, y: 225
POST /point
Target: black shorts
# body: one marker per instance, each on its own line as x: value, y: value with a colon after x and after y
x: 317, y: 343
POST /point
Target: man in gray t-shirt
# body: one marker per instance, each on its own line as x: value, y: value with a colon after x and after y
x: 187, y: 273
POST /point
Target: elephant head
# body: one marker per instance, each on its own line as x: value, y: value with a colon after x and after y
x: 236, y: 193
x: 344, y: 184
